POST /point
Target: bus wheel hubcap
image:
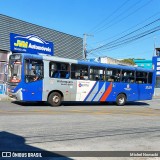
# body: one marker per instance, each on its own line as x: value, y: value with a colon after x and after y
x: 56, y: 99
x: 121, y: 100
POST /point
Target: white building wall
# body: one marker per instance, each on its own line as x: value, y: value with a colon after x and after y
x: 109, y: 60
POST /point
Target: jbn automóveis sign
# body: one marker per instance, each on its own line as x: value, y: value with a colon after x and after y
x: 30, y: 44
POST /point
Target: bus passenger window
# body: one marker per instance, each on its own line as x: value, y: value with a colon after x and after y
x: 53, y: 70
x: 128, y: 76
x: 67, y: 75
x: 56, y: 74
x: 79, y: 71
x: 113, y: 75
x: 141, y: 77
x: 59, y: 70
x: 97, y: 73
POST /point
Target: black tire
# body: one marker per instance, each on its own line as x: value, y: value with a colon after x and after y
x: 121, y: 100
x: 55, y: 99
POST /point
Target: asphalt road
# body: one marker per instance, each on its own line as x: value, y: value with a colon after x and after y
x: 77, y: 127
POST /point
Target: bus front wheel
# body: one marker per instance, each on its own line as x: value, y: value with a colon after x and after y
x: 121, y: 100
x: 55, y: 99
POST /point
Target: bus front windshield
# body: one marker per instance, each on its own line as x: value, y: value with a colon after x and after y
x: 14, y: 68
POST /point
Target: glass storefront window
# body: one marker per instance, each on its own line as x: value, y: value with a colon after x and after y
x: 3, y: 61
x: 157, y: 82
x: 2, y: 77
x: 3, y: 56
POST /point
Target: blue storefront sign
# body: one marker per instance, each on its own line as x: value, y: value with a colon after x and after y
x: 1, y: 88
x: 30, y: 44
x: 156, y: 63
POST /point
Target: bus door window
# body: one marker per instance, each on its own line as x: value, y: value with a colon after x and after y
x: 141, y: 77
x: 79, y: 71
x: 113, y: 75
x: 33, y: 70
x: 97, y: 74
x: 128, y: 76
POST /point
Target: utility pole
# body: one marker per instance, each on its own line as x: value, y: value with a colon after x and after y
x: 154, y: 46
x: 85, y: 44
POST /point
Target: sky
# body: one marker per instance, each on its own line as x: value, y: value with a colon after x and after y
x: 104, y: 21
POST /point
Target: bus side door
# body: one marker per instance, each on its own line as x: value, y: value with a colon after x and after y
x: 33, y: 80
x: 32, y: 91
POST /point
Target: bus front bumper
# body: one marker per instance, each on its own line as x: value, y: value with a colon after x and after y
x: 17, y: 95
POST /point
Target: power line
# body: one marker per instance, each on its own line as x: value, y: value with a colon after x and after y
x: 109, y: 16
x: 123, y: 18
x: 118, y: 47
x: 129, y: 28
x: 131, y: 55
x: 115, y: 41
x: 134, y: 31
x: 131, y: 39
x: 115, y: 18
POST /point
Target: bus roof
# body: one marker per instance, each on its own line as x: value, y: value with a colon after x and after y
x: 97, y: 64
x: 117, y: 66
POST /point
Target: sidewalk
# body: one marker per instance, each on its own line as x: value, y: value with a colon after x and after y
x: 4, y: 98
x: 156, y: 97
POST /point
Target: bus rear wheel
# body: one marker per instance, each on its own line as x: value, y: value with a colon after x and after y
x: 55, y: 99
x: 121, y: 100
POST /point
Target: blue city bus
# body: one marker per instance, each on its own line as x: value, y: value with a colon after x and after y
x: 53, y: 79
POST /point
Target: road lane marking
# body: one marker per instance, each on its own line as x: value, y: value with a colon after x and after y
x: 86, y: 112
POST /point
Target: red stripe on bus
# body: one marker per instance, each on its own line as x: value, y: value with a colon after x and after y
x: 107, y: 93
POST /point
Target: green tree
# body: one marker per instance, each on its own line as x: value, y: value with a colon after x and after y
x: 129, y: 60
